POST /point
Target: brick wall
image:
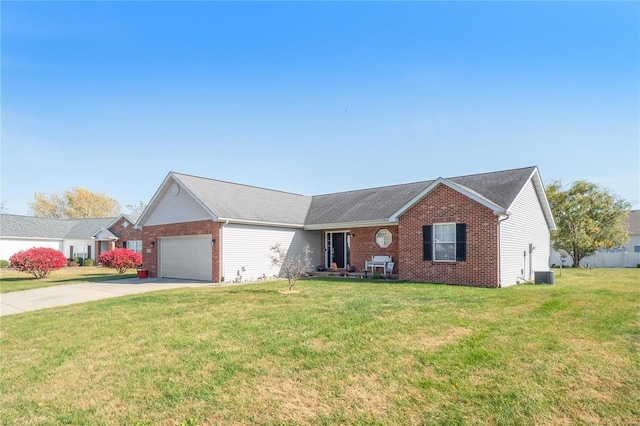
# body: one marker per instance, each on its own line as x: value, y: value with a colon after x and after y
x: 443, y: 204
x: 128, y: 233
x: 202, y: 227
x: 363, y: 246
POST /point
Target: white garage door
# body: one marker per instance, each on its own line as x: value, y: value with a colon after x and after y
x: 186, y: 257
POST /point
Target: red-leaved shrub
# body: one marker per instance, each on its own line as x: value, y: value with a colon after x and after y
x: 38, y: 261
x: 120, y: 259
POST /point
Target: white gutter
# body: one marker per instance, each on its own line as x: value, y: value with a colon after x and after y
x: 260, y: 223
x: 323, y: 226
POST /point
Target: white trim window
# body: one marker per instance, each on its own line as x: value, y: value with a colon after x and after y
x: 135, y: 245
x: 444, y: 242
x: 80, y: 250
x: 384, y: 238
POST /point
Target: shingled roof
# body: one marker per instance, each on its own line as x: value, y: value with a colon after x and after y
x: 235, y: 201
x: 244, y: 203
x: 44, y: 228
x: 366, y: 205
x: 377, y: 205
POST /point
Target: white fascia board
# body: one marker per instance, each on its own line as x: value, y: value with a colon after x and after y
x: 106, y: 231
x: 162, y: 189
x: 345, y: 225
x: 497, y: 210
x: 116, y: 220
x: 258, y: 223
x: 196, y: 198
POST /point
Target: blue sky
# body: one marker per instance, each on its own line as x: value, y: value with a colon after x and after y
x: 315, y: 97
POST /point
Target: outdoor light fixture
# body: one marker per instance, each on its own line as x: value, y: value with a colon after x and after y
x: 213, y: 241
x: 153, y: 244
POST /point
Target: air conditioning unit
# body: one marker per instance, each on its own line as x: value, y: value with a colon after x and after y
x: 543, y: 277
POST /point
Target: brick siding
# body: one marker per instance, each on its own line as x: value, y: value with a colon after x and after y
x: 363, y: 246
x: 128, y: 233
x: 124, y: 234
x: 202, y: 227
x: 443, y: 204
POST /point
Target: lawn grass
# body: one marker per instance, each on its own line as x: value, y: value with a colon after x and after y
x: 11, y: 280
x: 337, y: 352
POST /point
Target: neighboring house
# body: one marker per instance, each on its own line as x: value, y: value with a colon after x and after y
x: 486, y: 230
x: 627, y: 256
x: 85, y: 238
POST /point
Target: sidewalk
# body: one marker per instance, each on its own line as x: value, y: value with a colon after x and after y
x: 17, y: 302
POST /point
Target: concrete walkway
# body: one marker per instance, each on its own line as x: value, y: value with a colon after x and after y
x: 17, y: 302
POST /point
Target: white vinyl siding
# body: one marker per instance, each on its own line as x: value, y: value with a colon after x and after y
x: 626, y: 257
x: 526, y: 225
x: 247, y: 254
x: 9, y: 247
x: 186, y: 257
x: 176, y: 209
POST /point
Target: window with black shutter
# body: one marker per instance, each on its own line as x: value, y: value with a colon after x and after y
x: 427, y: 251
x: 444, y: 242
x: 461, y: 241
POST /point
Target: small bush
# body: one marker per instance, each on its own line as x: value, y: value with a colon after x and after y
x: 120, y: 259
x: 4, y: 264
x: 78, y: 260
x: 38, y: 261
x: 88, y: 262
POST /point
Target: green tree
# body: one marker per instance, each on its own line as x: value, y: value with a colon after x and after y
x: 587, y: 218
x: 74, y: 203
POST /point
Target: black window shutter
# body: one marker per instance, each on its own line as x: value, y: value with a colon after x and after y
x: 461, y: 241
x: 427, y: 247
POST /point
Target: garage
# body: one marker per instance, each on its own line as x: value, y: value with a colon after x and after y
x: 187, y: 257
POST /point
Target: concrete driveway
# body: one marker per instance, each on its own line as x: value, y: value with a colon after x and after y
x: 17, y: 302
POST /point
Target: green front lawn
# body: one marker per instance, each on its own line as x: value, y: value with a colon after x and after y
x: 11, y: 280
x: 337, y: 352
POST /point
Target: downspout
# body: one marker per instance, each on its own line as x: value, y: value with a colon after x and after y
x: 222, y: 251
x: 506, y: 216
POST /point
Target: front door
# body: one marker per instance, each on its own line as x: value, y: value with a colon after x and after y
x: 337, y: 249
